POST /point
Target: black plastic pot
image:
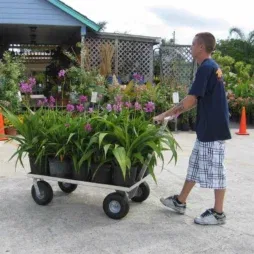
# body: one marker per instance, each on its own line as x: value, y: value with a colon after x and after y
x: 58, y: 168
x: 82, y: 174
x: 102, y: 174
x: 39, y: 168
x: 129, y: 180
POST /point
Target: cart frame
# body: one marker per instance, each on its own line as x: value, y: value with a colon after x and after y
x: 130, y: 191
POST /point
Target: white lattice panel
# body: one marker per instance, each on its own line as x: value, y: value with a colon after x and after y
x: 135, y: 57
x: 94, y: 47
x: 130, y: 56
x: 177, y: 63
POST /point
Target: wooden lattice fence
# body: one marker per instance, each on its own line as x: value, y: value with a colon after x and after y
x: 177, y: 63
x: 131, y: 54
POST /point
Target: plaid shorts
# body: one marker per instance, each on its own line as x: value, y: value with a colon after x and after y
x: 206, y: 165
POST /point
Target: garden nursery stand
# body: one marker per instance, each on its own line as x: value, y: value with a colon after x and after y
x: 115, y: 205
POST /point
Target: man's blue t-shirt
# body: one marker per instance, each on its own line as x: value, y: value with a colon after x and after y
x: 212, y: 122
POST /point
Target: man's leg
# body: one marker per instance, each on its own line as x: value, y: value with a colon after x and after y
x: 178, y: 202
x: 213, y: 154
x: 219, y: 200
x: 187, y: 187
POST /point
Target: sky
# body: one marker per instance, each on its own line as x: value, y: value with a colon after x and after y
x: 160, y: 18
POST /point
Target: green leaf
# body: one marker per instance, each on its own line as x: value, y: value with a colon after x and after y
x: 70, y: 136
x: 120, y: 155
x: 101, y: 137
x: 139, y: 157
x: 106, y: 147
x: 86, y: 156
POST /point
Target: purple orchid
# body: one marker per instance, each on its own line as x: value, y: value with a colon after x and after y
x: 149, y: 107
x: 32, y: 81
x: 109, y: 107
x: 117, y: 107
x: 128, y: 104
x: 25, y: 88
x: 70, y: 108
x: 83, y: 99
x: 88, y: 127
x: 52, y: 100
x: 137, y: 106
x: 80, y: 108
x: 61, y: 73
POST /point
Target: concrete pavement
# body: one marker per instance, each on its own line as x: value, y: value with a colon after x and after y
x: 76, y: 223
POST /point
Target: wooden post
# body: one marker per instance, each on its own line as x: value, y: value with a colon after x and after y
x: 116, y: 56
x: 82, y: 51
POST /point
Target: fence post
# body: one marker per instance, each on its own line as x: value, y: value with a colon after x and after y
x: 116, y: 56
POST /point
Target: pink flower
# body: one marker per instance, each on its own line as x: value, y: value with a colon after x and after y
x: 40, y: 103
x: 90, y: 110
x: 25, y: 88
x: 88, y: 127
x: 51, y: 105
x: 32, y: 81
x: 80, y: 108
x: 117, y: 107
x: 52, y: 100
x: 149, y: 107
x: 61, y: 73
x: 118, y: 99
x: 109, y: 107
x: 70, y: 108
x: 137, y: 106
x: 83, y: 99
x: 138, y: 77
x: 128, y: 104
x: 45, y: 101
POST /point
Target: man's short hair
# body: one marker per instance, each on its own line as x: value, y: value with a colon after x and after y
x: 208, y: 40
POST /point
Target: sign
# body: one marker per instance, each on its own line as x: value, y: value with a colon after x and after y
x: 94, y: 97
x: 175, y: 97
x: 19, y: 96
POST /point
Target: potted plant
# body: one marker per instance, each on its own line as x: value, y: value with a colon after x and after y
x: 9, y: 129
x: 31, y: 140
x: 128, y: 141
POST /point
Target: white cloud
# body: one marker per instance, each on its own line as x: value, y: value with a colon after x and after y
x: 139, y: 16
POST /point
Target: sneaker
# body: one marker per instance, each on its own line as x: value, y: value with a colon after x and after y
x: 171, y: 202
x: 210, y: 217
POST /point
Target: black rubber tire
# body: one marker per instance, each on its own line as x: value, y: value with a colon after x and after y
x: 45, y: 191
x: 118, y: 202
x: 142, y: 194
x: 67, y: 187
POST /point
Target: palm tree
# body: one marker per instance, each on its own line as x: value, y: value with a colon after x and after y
x: 247, y: 41
x: 103, y: 25
x: 240, y: 34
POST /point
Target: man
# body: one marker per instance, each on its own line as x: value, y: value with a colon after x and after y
x: 206, y: 161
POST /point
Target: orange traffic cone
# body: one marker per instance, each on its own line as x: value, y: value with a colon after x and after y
x: 242, y: 129
x: 2, y: 128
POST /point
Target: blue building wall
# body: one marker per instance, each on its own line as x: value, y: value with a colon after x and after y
x: 34, y: 12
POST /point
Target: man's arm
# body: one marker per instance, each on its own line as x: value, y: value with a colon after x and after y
x: 189, y: 102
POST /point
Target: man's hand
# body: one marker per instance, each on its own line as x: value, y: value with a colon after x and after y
x: 186, y: 104
x: 159, y: 118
